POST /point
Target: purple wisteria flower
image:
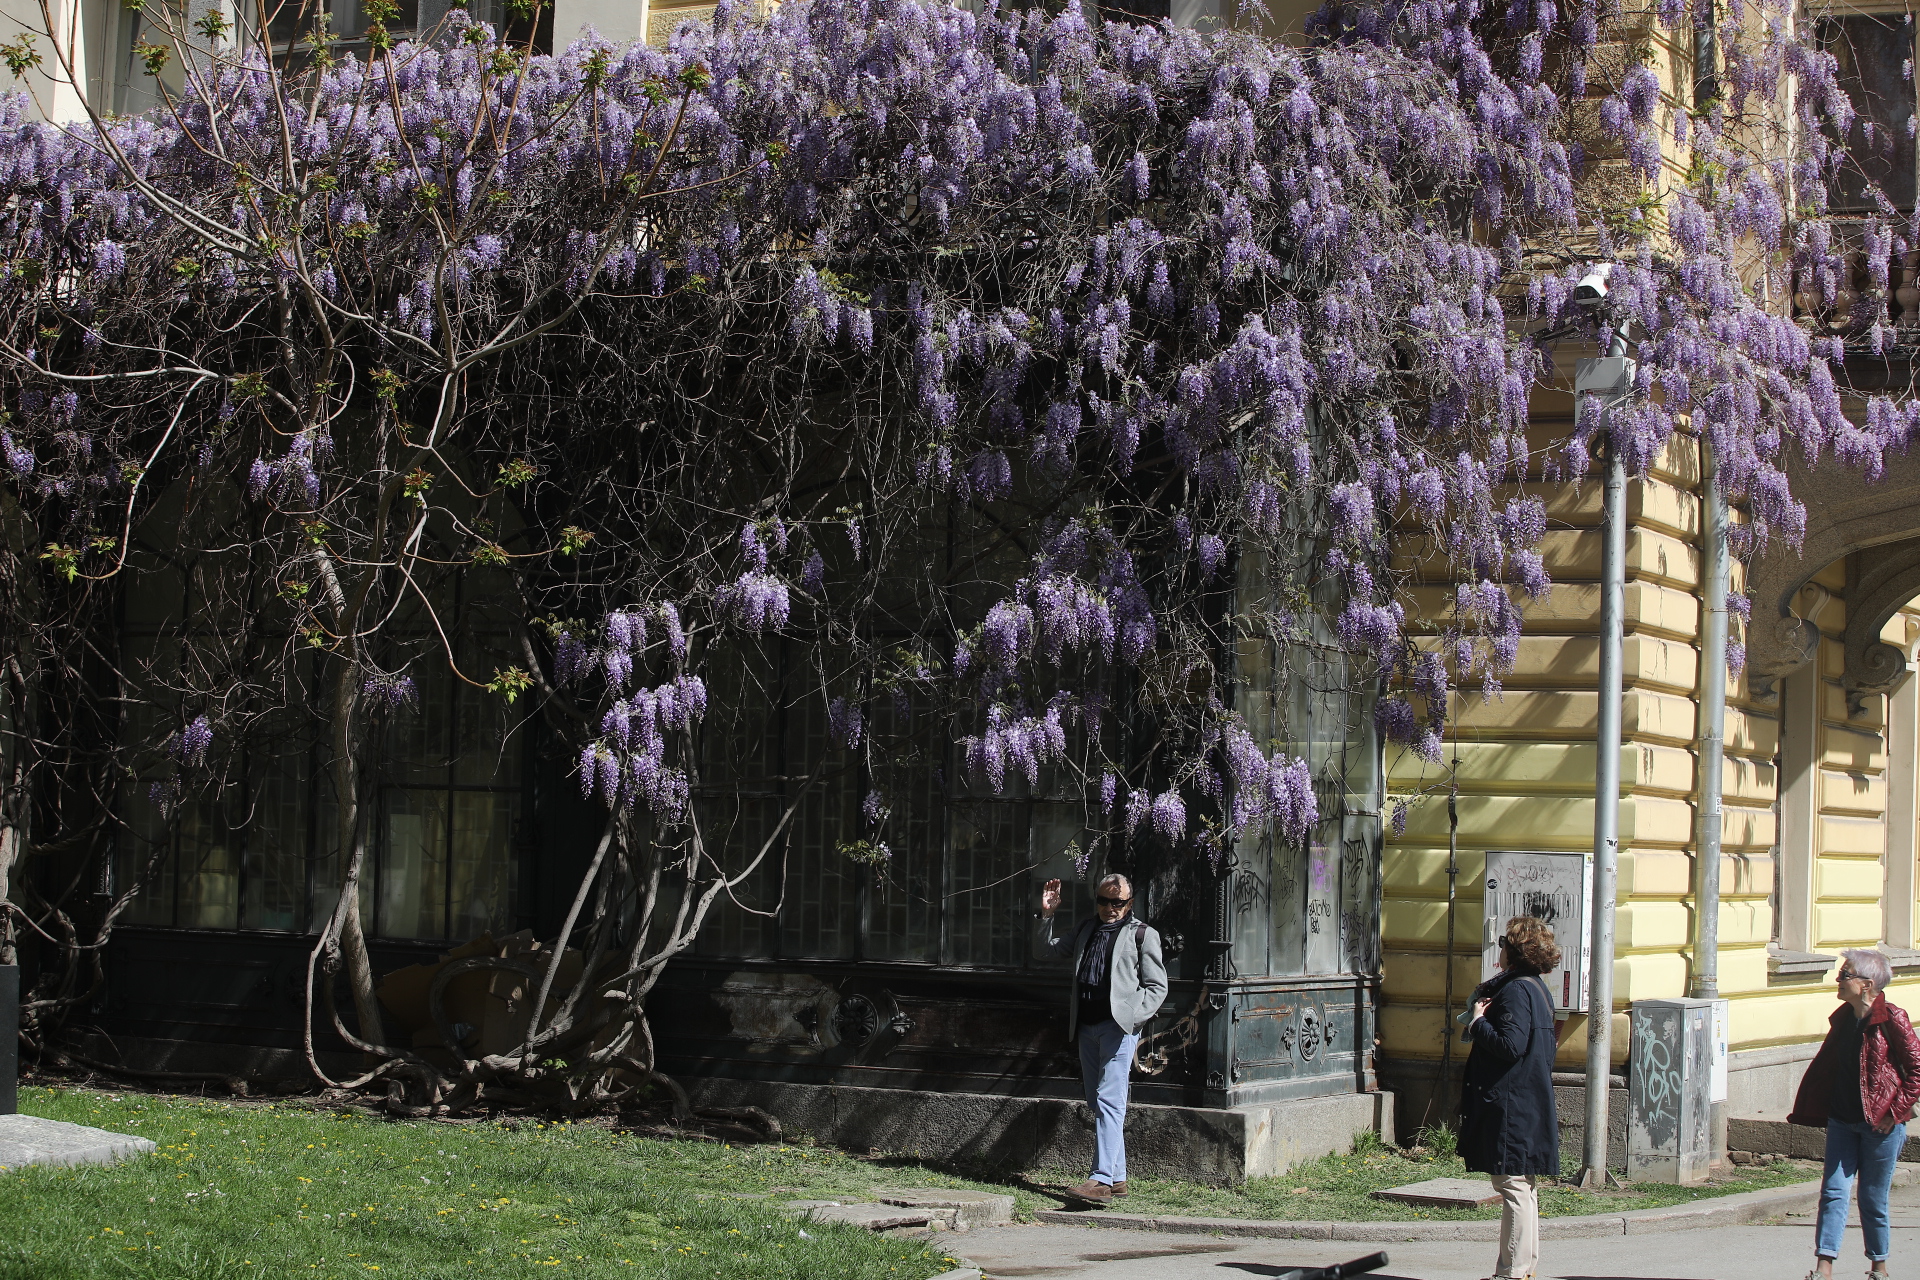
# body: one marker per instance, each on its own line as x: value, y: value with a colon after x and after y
x: 19, y: 458
x: 755, y: 602
x: 629, y: 763
x: 389, y: 692
x: 1246, y: 340
x: 1169, y: 815
x: 845, y: 723
x: 189, y: 746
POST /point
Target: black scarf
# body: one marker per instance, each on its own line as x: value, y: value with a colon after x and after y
x: 1094, y: 961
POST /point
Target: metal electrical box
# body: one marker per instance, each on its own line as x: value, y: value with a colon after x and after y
x: 1556, y: 888
x: 1669, y: 1080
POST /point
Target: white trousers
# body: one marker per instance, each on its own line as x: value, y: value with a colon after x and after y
x: 1519, y: 1226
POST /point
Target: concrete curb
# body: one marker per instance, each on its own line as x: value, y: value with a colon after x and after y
x: 1734, y: 1210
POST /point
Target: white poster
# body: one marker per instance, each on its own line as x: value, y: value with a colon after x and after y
x: 1553, y: 887
x: 1721, y: 1034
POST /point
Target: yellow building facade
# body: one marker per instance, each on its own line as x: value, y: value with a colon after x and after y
x: 1821, y: 731
x: 1818, y: 834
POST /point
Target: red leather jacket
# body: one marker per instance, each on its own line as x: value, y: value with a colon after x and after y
x: 1889, y: 1068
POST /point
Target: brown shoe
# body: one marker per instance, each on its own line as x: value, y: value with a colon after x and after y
x: 1120, y: 1187
x: 1091, y: 1192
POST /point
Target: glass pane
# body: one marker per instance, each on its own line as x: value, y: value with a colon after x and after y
x: 1056, y: 827
x: 820, y: 918
x: 1873, y: 52
x: 145, y: 836
x: 277, y: 844
x: 1323, y: 898
x: 413, y: 870
x: 483, y: 867
x: 418, y: 737
x: 904, y: 900
x: 989, y: 882
x: 741, y: 923
x: 209, y: 885
x: 156, y: 595
x: 1251, y: 905
x: 1360, y: 893
x: 486, y: 751
x: 1287, y: 890
x: 329, y: 862
x: 738, y: 742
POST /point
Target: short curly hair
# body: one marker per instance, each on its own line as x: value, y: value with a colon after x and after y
x: 1530, y: 941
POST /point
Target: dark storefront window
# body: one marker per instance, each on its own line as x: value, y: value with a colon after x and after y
x: 1875, y: 55
x: 261, y: 852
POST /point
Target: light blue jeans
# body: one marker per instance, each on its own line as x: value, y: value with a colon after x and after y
x: 1106, y: 1066
x: 1854, y: 1150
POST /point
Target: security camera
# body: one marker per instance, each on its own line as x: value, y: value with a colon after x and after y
x: 1592, y: 289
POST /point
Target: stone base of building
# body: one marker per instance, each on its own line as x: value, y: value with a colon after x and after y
x: 1424, y: 1100
x: 263, y: 1067
x: 1761, y: 1082
x: 1778, y: 1138
x: 986, y: 1131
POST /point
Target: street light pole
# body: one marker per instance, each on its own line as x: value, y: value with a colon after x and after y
x: 1610, y: 377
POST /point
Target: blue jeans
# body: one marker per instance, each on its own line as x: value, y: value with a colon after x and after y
x: 1106, y: 1066
x: 1855, y: 1150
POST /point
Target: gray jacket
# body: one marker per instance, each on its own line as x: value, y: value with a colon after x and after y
x: 1139, y: 984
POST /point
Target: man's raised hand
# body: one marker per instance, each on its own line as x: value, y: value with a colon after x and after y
x: 1049, y: 897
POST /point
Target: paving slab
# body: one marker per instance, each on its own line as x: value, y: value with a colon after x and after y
x: 1442, y: 1193
x: 26, y: 1140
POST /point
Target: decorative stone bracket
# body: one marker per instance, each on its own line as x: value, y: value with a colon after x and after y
x: 1879, y: 581
x: 1875, y: 526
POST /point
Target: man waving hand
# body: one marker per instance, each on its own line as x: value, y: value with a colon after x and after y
x: 1120, y: 982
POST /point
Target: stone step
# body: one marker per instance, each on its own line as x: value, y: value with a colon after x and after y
x: 26, y: 1140
x: 873, y: 1217
x: 1442, y: 1193
x: 971, y: 1208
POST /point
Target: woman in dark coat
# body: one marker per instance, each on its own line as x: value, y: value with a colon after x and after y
x: 1508, y: 1127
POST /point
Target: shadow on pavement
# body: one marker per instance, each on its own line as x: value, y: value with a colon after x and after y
x: 1164, y: 1251
x: 1270, y: 1269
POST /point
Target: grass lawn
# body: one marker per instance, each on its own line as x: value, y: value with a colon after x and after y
x: 258, y: 1190
x: 249, y: 1189
x: 1337, y: 1187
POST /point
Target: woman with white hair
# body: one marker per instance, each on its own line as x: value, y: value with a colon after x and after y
x: 1861, y: 1087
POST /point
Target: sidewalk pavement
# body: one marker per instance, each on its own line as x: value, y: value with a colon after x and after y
x: 1781, y: 1251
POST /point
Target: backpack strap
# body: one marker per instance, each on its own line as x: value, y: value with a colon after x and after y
x: 1546, y: 993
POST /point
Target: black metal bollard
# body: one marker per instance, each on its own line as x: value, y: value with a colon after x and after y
x: 9, y: 1039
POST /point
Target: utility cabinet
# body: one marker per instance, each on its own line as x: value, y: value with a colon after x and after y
x: 1669, y: 1086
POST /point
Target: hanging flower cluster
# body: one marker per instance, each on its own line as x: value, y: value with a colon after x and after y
x: 390, y: 692
x: 1214, y: 334
x: 623, y: 643
x: 189, y: 745
x: 628, y: 763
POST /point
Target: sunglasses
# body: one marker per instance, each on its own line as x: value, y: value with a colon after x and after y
x: 1847, y: 975
x: 1105, y: 901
